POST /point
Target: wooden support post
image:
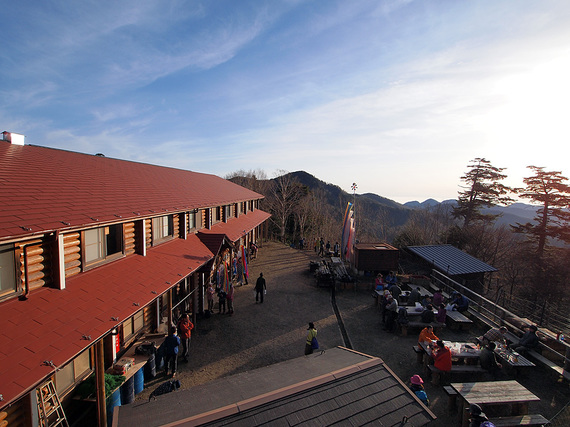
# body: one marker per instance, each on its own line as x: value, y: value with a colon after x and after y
x: 169, y: 302
x: 194, y: 301
x: 100, y: 384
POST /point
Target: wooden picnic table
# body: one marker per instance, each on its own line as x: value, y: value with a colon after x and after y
x: 423, y: 291
x: 511, y: 358
x: 496, y: 398
x: 462, y: 351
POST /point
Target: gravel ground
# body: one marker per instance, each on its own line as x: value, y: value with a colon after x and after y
x: 263, y: 334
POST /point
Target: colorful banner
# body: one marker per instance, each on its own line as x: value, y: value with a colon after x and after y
x: 347, y: 227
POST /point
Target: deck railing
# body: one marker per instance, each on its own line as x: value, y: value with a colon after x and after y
x: 494, y: 314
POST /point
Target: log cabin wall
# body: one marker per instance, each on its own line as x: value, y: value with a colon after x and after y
x: 129, y: 238
x: 72, y: 253
x: 39, y: 263
x: 176, y: 225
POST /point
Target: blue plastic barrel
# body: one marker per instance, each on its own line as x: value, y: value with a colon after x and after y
x: 139, y: 381
x: 114, y: 400
x: 128, y: 391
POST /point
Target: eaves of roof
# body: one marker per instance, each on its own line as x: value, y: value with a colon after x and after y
x: 339, y: 385
x: 236, y: 228
x: 44, y: 189
x: 56, y: 325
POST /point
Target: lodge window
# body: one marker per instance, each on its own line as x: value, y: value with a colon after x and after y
x: 218, y: 214
x: 133, y: 325
x: 162, y: 228
x: 191, y: 220
x: 103, y: 243
x: 227, y: 212
x: 73, y: 372
x: 8, y: 283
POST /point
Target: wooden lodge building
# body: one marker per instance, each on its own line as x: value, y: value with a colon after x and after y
x: 94, y: 253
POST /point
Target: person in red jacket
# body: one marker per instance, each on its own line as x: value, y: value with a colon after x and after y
x: 185, y: 327
x: 442, y: 357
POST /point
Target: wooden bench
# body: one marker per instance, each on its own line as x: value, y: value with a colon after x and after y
x: 455, y: 370
x: 558, y: 370
x: 419, y: 325
x: 458, y: 321
x: 520, y: 420
x: 419, y: 354
x: 451, y: 397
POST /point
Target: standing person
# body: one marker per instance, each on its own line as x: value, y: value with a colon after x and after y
x: 417, y: 386
x: 231, y: 300
x: 311, y: 345
x: 185, y: 327
x: 222, y: 301
x: 210, y: 295
x: 322, y: 247
x: 260, y: 288
x: 392, y: 313
x: 336, y: 249
x: 171, y: 344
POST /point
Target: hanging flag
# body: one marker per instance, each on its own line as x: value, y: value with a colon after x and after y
x: 244, y: 259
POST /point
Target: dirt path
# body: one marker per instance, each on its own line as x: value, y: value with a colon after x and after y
x: 262, y: 334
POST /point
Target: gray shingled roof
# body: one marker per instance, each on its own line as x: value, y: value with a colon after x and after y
x: 450, y: 260
x: 340, y: 386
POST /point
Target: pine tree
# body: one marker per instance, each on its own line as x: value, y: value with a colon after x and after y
x: 482, y: 189
x: 549, y: 189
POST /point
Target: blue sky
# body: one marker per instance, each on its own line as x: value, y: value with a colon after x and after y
x: 397, y: 96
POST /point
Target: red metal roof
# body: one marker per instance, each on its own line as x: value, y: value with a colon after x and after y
x: 52, y: 323
x: 47, y: 189
x: 236, y: 228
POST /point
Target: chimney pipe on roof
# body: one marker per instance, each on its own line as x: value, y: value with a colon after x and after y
x: 14, y: 138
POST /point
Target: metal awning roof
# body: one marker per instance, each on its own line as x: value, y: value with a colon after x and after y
x: 450, y: 260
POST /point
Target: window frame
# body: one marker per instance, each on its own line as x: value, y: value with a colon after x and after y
x: 158, y: 238
x: 103, y: 240
x: 78, y: 375
x: 12, y: 261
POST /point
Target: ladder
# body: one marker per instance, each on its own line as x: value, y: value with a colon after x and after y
x: 49, y: 407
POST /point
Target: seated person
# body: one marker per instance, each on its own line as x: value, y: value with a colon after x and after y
x: 462, y: 303
x: 395, y: 290
x: 488, y: 359
x: 379, y: 283
x: 414, y: 296
x: 441, y: 356
x: 391, y: 279
x: 427, y: 335
x: 529, y: 341
x: 441, y: 314
x: 495, y: 335
x: 403, y: 316
x: 427, y: 315
x: 426, y: 301
x: 437, y: 298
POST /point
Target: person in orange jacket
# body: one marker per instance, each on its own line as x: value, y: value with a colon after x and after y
x: 185, y: 327
x: 427, y: 335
